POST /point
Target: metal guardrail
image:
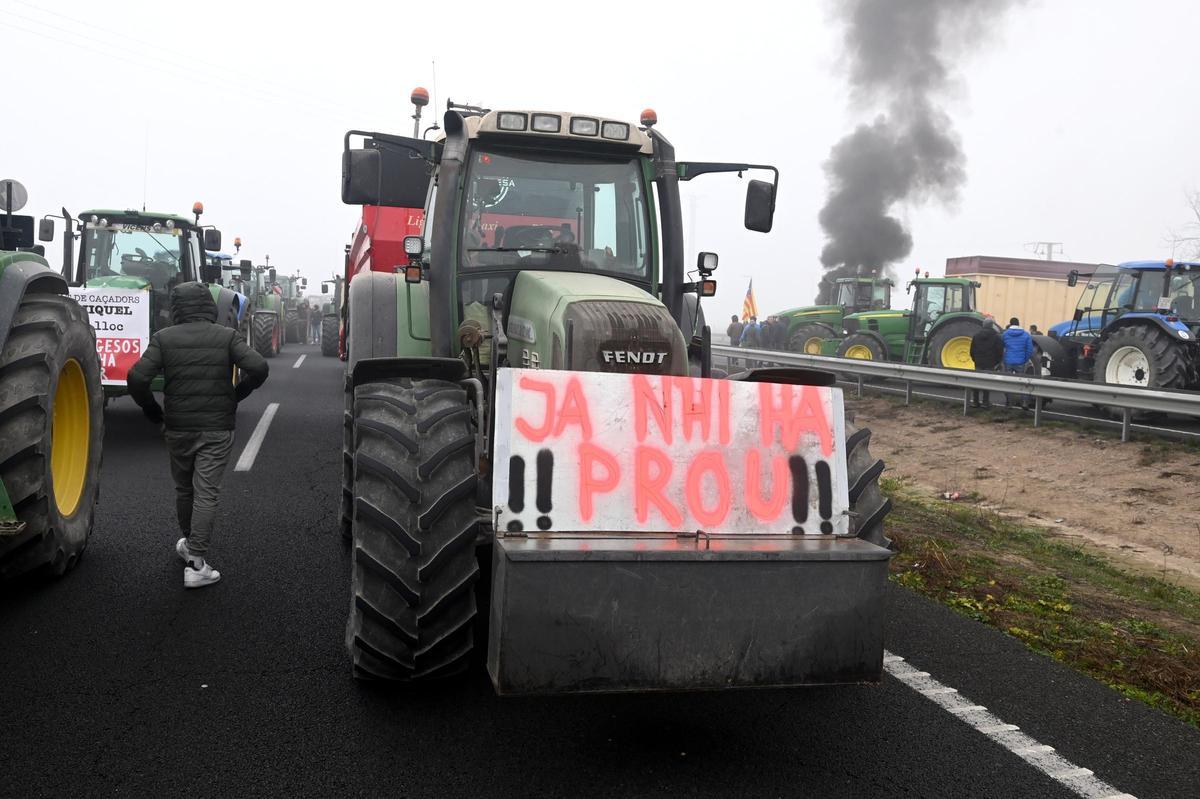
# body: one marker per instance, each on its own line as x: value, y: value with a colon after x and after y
x: 1127, y: 399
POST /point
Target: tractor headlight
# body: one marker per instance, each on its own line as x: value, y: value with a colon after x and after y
x: 1184, y: 334
x: 582, y: 126
x: 547, y: 123
x: 508, y: 120
x: 615, y: 130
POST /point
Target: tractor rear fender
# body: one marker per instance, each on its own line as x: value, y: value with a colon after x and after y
x: 21, y: 278
x: 1176, y: 330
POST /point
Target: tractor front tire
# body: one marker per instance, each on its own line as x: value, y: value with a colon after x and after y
x: 860, y: 346
x: 291, y: 326
x: 1142, y: 355
x: 950, y: 344
x: 807, y: 338
x: 329, y: 336
x: 414, y: 569
x: 868, y: 505
x: 51, y: 434
x: 262, y: 334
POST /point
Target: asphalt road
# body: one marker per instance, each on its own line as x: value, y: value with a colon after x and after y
x: 117, y: 681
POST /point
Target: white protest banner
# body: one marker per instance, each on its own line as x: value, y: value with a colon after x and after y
x: 601, y: 452
x: 121, y: 319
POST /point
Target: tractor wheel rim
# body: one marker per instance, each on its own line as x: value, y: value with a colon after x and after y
x: 1128, y: 366
x: 956, y: 353
x: 860, y: 351
x: 812, y: 345
x: 70, y: 438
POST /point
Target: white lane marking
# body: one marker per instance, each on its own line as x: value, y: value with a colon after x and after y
x: 299, y: 361
x: 246, y: 461
x: 1079, y: 780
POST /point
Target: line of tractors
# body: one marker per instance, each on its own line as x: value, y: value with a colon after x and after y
x: 1135, y: 324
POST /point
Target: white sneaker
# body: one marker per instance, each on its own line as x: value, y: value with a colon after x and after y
x: 197, y: 574
x: 181, y: 549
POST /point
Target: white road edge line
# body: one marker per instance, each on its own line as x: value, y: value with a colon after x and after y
x: 1079, y: 780
x: 246, y: 461
x: 299, y: 361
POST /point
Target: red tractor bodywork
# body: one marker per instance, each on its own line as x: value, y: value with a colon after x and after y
x: 377, y: 245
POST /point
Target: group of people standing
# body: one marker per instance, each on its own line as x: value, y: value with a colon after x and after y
x: 992, y: 349
x: 753, y: 334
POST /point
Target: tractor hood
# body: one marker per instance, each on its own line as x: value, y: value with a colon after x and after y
x: 591, y: 323
x: 854, y: 322
x: 809, y: 310
x: 119, y: 282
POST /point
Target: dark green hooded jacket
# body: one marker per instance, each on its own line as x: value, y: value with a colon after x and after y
x: 196, y: 358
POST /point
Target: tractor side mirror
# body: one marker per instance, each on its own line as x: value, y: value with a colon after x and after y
x: 212, y: 239
x: 246, y: 269
x: 760, y: 206
x: 46, y: 229
x: 271, y: 274
x: 210, y: 273
x: 1078, y: 315
x: 362, y: 172
x: 1073, y: 278
x: 303, y: 282
x: 324, y: 288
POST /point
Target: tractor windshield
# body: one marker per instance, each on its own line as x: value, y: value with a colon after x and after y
x: 863, y: 296
x: 151, y: 252
x: 542, y: 211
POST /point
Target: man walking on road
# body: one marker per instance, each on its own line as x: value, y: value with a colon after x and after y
x: 314, y: 324
x: 197, y: 357
x: 1018, y: 350
x: 987, y: 351
x: 734, y: 331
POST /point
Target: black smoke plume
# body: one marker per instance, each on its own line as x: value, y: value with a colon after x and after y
x: 900, y: 60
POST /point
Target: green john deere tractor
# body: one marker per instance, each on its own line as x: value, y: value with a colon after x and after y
x: 936, y: 332
x: 555, y: 241
x: 128, y: 263
x: 51, y: 407
x: 331, y: 316
x: 806, y: 327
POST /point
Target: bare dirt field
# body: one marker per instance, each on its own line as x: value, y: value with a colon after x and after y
x: 1139, y: 502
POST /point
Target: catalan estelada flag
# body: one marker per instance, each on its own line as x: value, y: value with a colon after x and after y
x: 749, y: 306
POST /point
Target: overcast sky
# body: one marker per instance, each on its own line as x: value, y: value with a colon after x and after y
x: 1078, y: 117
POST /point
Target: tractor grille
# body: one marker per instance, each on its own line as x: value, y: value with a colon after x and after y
x: 631, y: 337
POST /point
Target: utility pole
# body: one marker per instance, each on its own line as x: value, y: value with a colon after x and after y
x: 1047, y: 248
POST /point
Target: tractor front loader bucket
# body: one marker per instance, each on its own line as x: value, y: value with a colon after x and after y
x: 666, y: 613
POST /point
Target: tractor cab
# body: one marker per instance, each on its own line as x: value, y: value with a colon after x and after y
x: 856, y: 294
x: 1168, y: 289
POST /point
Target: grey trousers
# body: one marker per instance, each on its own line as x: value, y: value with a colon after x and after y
x: 198, y: 462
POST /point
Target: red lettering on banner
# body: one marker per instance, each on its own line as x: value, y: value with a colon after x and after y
x: 648, y: 488
x: 694, y: 413
x: 793, y: 419
x: 766, y: 510
x: 538, y: 434
x: 710, y: 462
x: 723, y: 411
x: 646, y: 402
x: 574, y: 411
x: 591, y: 483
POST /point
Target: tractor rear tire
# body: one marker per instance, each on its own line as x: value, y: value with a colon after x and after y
x: 329, y: 336
x: 860, y: 346
x: 868, y: 505
x: 346, y: 521
x: 950, y: 344
x: 291, y: 326
x: 51, y: 434
x: 1143, y: 356
x: 1052, y: 359
x: 807, y: 338
x: 262, y: 334
x: 414, y: 569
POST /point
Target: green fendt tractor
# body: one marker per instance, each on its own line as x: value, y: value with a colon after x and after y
x: 331, y: 316
x: 554, y: 241
x: 936, y: 332
x: 803, y: 329
x: 266, y: 328
x: 291, y: 288
x: 51, y: 407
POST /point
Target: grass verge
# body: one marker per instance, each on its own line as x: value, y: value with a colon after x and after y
x: 1134, y: 632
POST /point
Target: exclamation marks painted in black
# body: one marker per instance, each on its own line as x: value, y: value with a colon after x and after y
x: 800, y: 489
x: 825, y: 496
x: 545, y: 482
x: 516, y: 491
x: 545, y: 487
